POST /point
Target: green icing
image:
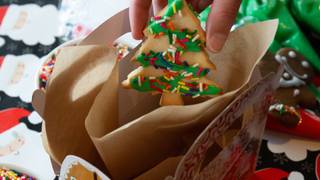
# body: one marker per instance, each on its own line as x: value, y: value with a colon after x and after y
x: 314, y: 90
x: 159, y: 25
x: 173, y: 4
x: 203, y: 16
x: 161, y: 84
x: 282, y: 110
x: 180, y: 77
x: 289, y: 33
x: 159, y: 61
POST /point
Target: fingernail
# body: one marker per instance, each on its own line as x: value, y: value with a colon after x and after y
x: 216, y: 42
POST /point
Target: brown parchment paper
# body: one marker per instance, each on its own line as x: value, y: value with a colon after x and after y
x: 76, y: 80
x: 154, y: 135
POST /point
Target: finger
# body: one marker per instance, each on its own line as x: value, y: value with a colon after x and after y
x: 194, y: 4
x: 220, y: 21
x: 158, y: 5
x: 199, y: 5
x: 139, y: 15
x: 202, y: 4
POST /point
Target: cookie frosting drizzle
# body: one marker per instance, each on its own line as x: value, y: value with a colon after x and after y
x: 179, y: 76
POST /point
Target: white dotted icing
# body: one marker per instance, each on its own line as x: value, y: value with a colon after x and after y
x: 288, y: 68
x: 296, y: 92
x: 276, y: 107
x: 278, y: 58
x: 295, y: 175
x: 294, y: 82
x: 305, y: 76
x: 305, y: 64
x: 286, y: 75
x: 292, y: 54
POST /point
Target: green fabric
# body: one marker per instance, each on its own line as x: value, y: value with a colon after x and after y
x: 307, y: 12
x: 289, y: 33
x: 314, y: 90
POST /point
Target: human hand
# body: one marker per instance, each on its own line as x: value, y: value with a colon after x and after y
x: 220, y: 20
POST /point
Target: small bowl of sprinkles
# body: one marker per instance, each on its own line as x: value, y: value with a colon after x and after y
x: 48, y: 64
x: 11, y: 174
x: 49, y: 61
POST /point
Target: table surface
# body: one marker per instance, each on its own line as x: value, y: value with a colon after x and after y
x: 23, y: 44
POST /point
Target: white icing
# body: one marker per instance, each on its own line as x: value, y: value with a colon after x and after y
x: 286, y: 75
x: 310, y: 111
x: 292, y: 54
x: 297, y: 80
x: 278, y: 58
x: 296, y: 92
x: 305, y: 76
x: 305, y: 64
x: 294, y: 82
x: 295, y: 175
x: 276, y: 107
x: 288, y: 68
x: 292, y: 108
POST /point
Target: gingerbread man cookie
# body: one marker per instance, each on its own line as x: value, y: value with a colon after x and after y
x: 298, y: 73
x: 296, y: 110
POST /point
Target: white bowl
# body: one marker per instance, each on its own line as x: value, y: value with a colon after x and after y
x: 19, y: 169
x: 47, y: 57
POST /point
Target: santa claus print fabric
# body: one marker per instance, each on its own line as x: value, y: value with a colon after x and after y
x: 28, y: 31
x: 287, y: 161
x: 29, y: 23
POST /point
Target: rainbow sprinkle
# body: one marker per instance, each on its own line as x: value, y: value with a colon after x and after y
x: 8, y: 174
x: 179, y: 76
x: 46, y: 71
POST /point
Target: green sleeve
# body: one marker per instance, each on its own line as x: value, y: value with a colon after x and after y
x: 307, y: 12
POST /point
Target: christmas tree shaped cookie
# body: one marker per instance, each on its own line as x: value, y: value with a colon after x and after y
x: 172, y: 59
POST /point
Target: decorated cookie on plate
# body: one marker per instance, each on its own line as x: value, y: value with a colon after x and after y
x: 75, y: 168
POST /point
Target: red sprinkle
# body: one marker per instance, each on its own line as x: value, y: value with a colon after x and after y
x: 177, y: 58
x: 156, y: 88
x: 184, y: 40
x: 157, y: 17
x: 181, y: 44
x: 190, y: 85
x: 199, y: 71
x: 153, y: 60
x: 163, y: 25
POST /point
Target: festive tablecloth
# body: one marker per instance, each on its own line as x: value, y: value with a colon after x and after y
x: 29, y: 29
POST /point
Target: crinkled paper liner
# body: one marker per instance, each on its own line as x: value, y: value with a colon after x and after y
x: 125, y: 133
